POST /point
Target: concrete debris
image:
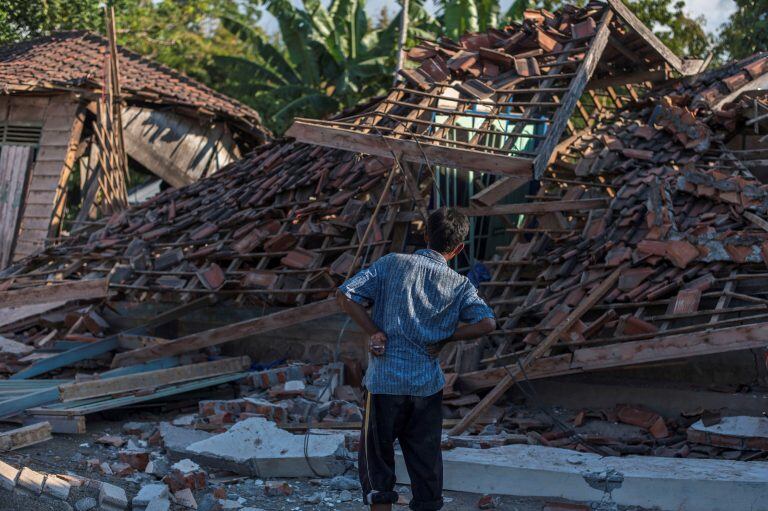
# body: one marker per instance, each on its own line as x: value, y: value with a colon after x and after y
x: 741, y: 433
x: 112, y: 498
x: 257, y: 447
x: 149, y: 493
x: 643, y: 481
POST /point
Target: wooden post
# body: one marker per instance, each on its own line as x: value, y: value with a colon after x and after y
x: 514, y: 371
x: 403, y: 38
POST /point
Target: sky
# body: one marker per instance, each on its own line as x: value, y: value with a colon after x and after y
x: 715, y: 12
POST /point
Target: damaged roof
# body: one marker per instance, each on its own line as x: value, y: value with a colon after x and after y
x: 76, y: 60
x: 499, y: 101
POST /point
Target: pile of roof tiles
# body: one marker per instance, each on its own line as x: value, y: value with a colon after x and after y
x: 491, y: 60
x: 678, y: 222
x: 76, y: 61
x: 278, y: 226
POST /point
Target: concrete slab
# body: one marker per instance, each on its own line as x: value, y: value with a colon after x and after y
x: 176, y: 439
x: 671, y: 484
x: 257, y: 447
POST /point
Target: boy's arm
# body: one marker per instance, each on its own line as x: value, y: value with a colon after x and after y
x: 477, y: 316
x: 354, y: 294
x: 358, y: 314
x: 464, y: 333
x: 362, y: 319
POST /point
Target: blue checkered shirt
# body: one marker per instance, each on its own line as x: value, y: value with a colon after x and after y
x: 417, y: 300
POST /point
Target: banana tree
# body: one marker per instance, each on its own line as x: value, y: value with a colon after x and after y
x: 326, y: 59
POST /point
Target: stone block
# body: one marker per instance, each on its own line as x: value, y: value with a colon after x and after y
x: 31, y: 481
x: 159, y: 505
x: 112, y: 498
x: 8, y: 476
x: 57, y: 487
x: 147, y: 494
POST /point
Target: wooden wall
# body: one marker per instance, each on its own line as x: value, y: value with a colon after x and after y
x: 178, y: 149
x: 60, y: 135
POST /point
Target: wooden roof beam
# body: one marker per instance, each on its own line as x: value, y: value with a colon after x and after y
x: 305, y: 130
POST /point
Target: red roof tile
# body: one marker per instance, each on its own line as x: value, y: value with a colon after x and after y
x: 77, y: 60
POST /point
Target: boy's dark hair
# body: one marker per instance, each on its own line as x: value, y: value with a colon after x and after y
x: 446, y: 228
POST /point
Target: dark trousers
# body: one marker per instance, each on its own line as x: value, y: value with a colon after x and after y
x: 417, y: 423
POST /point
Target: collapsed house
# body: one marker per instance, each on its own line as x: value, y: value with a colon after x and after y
x: 617, y: 224
x: 53, y: 130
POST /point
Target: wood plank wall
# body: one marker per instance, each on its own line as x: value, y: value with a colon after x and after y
x: 178, y: 149
x: 60, y: 136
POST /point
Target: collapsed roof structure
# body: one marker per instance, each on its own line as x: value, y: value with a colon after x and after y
x: 639, y: 238
x: 54, y: 125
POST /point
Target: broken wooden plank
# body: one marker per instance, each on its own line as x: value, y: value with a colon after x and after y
x: 509, y: 379
x: 151, y: 379
x: 236, y: 331
x: 532, y: 208
x: 62, y: 292
x: 25, y: 436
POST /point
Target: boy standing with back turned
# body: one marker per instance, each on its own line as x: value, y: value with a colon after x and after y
x: 417, y: 304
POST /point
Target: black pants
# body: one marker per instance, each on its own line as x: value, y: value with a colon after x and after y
x: 417, y: 423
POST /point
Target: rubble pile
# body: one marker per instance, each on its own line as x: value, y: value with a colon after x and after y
x: 643, y: 242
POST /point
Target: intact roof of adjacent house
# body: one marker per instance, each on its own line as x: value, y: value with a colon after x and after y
x: 77, y: 60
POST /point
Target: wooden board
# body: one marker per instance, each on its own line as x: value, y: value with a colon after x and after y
x: 531, y: 208
x: 61, y: 292
x: 57, y: 144
x: 568, y: 102
x: 228, y: 333
x: 463, y: 159
x: 25, y: 436
x: 151, y: 379
x: 630, y: 353
x: 14, y: 168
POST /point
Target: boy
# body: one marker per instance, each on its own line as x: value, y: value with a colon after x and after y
x: 418, y: 302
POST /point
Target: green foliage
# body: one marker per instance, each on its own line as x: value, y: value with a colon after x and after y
x: 682, y: 34
x: 30, y: 18
x: 327, y: 58
x: 746, y: 31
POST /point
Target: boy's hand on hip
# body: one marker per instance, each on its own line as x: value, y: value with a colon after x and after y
x: 377, y: 343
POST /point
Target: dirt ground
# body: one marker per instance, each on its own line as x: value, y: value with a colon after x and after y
x: 68, y: 454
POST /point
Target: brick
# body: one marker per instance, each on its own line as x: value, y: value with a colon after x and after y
x: 31, y: 480
x: 57, y: 487
x: 8, y: 476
